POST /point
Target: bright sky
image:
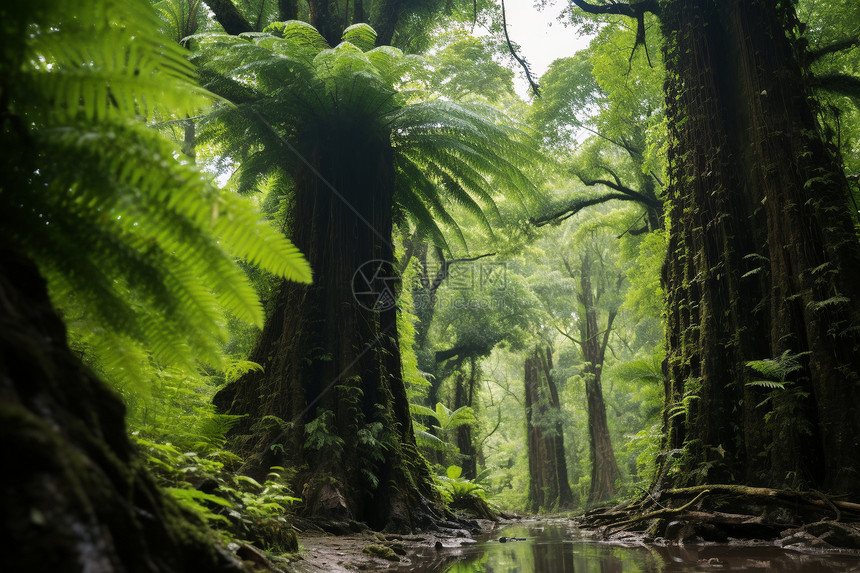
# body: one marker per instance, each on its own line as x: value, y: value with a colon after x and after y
x: 542, y: 38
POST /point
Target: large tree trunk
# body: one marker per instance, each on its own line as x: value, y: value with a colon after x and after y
x: 548, y: 482
x: 763, y: 258
x: 332, y: 379
x: 75, y: 495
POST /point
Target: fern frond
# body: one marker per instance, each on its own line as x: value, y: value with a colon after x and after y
x: 361, y: 36
x: 137, y: 242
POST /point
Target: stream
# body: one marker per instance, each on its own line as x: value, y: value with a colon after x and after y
x: 553, y: 547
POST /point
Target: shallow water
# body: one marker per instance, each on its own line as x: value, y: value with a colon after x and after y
x: 557, y: 548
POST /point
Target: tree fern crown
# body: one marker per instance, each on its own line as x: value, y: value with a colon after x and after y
x: 291, y: 90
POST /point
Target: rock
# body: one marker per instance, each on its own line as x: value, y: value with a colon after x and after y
x: 398, y: 548
x: 381, y: 552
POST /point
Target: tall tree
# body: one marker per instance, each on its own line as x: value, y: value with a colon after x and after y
x: 763, y: 255
x: 332, y: 133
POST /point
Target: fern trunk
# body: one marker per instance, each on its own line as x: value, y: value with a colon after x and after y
x: 332, y: 402
x: 762, y: 261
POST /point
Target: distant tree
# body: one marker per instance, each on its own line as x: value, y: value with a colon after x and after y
x: 549, y: 488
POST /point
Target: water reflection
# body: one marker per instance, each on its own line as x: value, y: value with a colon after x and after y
x: 556, y: 548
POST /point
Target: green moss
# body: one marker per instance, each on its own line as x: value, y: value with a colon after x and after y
x: 382, y: 552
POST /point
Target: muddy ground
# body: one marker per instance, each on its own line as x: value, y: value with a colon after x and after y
x: 373, y: 551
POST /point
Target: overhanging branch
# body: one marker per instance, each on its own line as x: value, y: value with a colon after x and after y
x: 840, y: 84
x: 534, y: 86
x: 575, y: 207
x: 631, y: 193
x: 837, y: 46
x: 633, y: 10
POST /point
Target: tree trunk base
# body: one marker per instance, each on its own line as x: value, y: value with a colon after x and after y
x: 720, y: 512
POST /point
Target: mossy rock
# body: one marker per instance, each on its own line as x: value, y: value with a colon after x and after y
x: 381, y: 552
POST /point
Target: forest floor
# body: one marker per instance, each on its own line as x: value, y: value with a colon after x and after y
x: 340, y: 547
x: 374, y: 551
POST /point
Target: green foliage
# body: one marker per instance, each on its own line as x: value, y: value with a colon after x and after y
x: 293, y: 93
x: 138, y: 247
x: 465, y: 68
x: 446, y: 420
x: 238, y: 506
x: 776, y: 369
x: 181, y: 17
x: 192, y: 499
x: 452, y: 487
x: 320, y: 435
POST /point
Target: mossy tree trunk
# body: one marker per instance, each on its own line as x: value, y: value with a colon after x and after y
x: 75, y: 494
x: 548, y: 482
x: 332, y: 402
x: 763, y: 258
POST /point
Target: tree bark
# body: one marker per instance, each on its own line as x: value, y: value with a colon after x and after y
x: 332, y: 377
x: 464, y: 393
x: 75, y: 494
x: 385, y: 19
x: 325, y: 18
x: 229, y: 17
x: 763, y: 257
x: 548, y: 482
x: 604, y: 468
x: 288, y: 10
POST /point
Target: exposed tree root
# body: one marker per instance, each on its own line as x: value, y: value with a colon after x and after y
x: 719, y: 512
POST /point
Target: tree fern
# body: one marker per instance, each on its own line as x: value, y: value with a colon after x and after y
x: 137, y: 245
x: 290, y: 89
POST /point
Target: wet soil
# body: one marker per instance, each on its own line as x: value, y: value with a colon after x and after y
x: 327, y: 553
x: 553, y: 545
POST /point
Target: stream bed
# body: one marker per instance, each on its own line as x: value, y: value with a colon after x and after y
x: 553, y: 547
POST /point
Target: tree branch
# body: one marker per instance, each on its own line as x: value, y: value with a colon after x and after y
x: 442, y: 274
x: 535, y: 88
x: 632, y: 193
x: 577, y: 205
x: 839, y: 83
x: 567, y: 335
x: 632, y: 10
x: 837, y: 46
